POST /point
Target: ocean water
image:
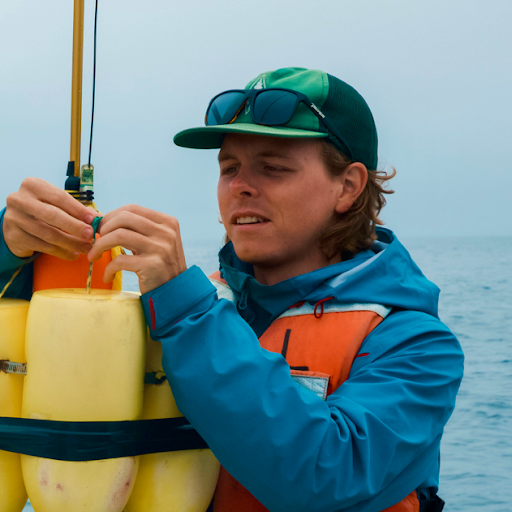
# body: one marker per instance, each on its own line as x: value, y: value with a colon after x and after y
x: 475, y: 278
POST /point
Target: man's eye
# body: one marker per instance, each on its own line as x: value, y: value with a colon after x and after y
x: 271, y: 169
x: 228, y: 170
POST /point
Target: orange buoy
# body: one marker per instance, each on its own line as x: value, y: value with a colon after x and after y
x: 52, y: 272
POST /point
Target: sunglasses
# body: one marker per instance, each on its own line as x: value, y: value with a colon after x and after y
x: 268, y: 107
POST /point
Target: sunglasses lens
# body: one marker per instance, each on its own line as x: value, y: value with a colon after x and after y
x: 274, y: 107
x: 224, y: 108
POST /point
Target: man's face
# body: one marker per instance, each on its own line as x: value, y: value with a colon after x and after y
x: 275, y: 197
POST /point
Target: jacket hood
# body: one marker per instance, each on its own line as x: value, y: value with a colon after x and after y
x: 385, y: 274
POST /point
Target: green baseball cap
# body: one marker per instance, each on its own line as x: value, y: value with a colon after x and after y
x: 341, y: 104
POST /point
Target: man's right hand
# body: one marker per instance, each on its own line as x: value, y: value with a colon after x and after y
x: 41, y: 217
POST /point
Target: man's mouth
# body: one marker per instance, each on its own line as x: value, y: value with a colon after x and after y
x: 249, y: 220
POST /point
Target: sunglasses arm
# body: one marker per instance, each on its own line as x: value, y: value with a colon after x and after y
x: 334, y: 134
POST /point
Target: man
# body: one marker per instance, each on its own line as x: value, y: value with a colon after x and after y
x: 324, y: 378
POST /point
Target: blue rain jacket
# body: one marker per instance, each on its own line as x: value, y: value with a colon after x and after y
x: 372, y: 442
x: 21, y: 287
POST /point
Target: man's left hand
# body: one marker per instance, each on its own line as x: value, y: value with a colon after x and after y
x: 152, y: 237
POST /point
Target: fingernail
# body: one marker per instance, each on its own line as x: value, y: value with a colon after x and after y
x: 87, y: 233
x: 88, y: 219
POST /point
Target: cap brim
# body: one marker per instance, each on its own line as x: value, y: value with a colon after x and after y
x: 211, y: 137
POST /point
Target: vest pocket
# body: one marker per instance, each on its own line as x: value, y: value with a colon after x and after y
x: 316, y: 382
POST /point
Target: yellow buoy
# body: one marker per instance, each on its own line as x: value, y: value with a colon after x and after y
x: 181, y: 480
x: 13, y: 317
x: 85, y: 359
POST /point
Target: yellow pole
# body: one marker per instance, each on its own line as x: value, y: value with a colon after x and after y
x: 76, y: 84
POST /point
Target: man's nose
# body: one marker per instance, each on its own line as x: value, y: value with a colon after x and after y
x: 243, y: 183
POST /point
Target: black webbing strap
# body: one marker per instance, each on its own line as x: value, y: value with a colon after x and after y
x: 435, y: 504
x: 96, y: 440
x: 155, y: 378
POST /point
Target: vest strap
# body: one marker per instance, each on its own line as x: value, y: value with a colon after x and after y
x: 335, y: 307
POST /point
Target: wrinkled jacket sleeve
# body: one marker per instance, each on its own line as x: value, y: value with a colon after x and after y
x: 21, y: 287
x: 372, y: 442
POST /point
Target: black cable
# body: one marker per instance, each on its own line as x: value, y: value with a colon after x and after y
x: 93, y: 78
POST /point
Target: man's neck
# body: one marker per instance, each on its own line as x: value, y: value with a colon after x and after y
x: 270, y: 275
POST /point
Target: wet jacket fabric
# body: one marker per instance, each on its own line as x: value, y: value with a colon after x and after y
x: 374, y: 440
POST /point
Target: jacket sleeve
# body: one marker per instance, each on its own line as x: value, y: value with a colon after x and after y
x: 372, y: 442
x: 21, y: 287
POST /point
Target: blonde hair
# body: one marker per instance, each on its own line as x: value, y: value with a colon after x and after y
x: 353, y: 231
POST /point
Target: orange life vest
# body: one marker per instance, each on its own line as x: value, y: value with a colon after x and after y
x: 342, y: 329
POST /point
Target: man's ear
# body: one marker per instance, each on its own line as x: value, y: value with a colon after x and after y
x: 353, y: 182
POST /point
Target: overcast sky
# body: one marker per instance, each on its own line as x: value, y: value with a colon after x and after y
x: 437, y: 75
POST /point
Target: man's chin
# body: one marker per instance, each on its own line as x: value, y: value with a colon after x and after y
x: 255, y: 257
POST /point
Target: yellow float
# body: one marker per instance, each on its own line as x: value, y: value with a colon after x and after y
x: 13, y: 315
x: 175, y: 481
x: 85, y: 360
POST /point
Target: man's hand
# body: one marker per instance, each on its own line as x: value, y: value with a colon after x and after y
x: 43, y: 218
x: 152, y: 237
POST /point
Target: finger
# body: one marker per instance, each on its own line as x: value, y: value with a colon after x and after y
x: 48, y: 193
x: 51, y: 236
x: 92, y: 215
x: 147, y: 269
x: 52, y: 215
x: 152, y: 215
x: 47, y: 248
x: 128, y: 220
x: 59, y: 219
x: 131, y: 240
x: 122, y: 262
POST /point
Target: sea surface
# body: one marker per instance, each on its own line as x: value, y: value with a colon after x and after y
x: 475, y: 278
